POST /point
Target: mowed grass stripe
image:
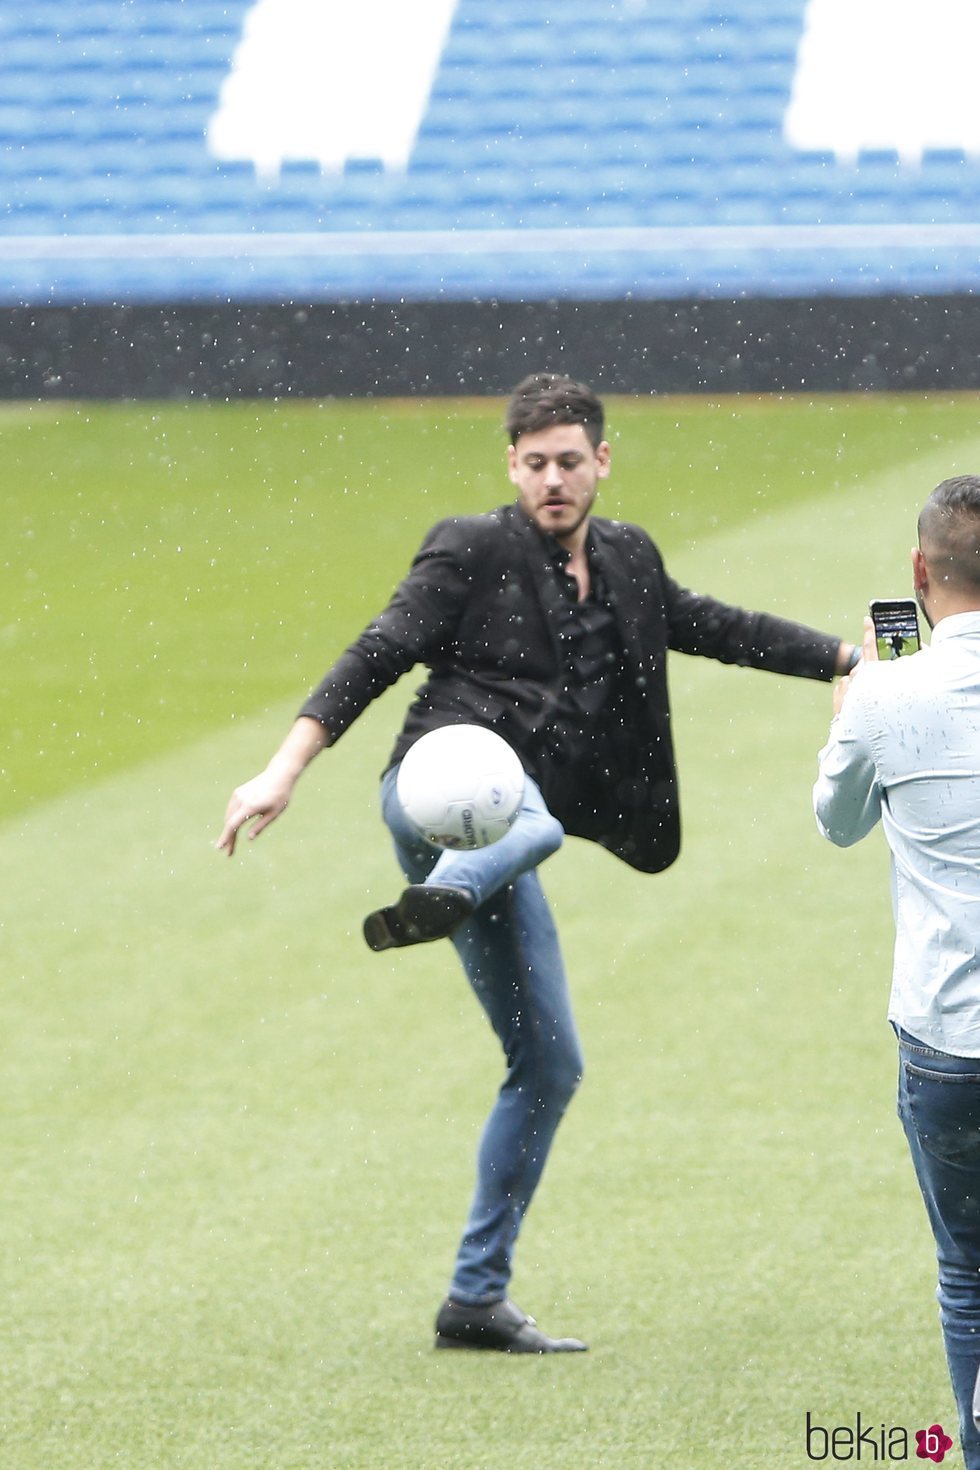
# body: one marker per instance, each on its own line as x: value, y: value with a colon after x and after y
x: 172, y: 568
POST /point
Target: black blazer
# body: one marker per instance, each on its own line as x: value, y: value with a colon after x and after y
x: 481, y: 607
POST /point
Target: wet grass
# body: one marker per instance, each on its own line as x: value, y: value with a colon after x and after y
x: 170, y: 568
x: 238, y: 1147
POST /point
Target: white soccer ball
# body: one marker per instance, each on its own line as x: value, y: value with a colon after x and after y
x: 461, y: 785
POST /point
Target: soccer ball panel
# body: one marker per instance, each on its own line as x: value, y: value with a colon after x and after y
x: 461, y: 786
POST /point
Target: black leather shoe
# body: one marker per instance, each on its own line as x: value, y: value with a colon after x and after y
x: 425, y: 911
x: 499, y: 1327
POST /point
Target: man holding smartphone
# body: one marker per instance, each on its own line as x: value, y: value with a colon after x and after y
x: 904, y: 748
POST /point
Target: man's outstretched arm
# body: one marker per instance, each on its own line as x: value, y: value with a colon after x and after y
x: 267, y: 795
x: 734, y: 635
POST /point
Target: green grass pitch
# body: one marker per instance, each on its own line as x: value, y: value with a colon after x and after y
x: 238, y: 1146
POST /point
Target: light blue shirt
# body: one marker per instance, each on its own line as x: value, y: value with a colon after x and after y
x: 905, y: 749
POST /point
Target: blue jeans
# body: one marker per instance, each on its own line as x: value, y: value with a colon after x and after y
x: 509, y: 949
x: 939, y: 1105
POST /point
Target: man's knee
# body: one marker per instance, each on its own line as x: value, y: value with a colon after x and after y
x: 560, y: 1071
x: 549, y: 834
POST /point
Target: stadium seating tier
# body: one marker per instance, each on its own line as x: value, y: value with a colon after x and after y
x: 630, y: 116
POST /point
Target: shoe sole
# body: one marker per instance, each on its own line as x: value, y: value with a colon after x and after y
x: 515, y: 1347
x: 377, y: 934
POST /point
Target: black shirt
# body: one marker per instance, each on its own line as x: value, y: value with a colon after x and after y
x: 575, y: 761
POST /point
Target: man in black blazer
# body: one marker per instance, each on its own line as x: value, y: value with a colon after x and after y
x: 552, y: 627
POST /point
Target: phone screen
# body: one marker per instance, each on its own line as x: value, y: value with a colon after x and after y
x: 896, y: 627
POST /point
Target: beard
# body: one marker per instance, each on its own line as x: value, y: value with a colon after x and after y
x: 576, y: 525
x: 570, y: 530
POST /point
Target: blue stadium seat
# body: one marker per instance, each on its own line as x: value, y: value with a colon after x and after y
x: 950, y: 178
x: 553, y: 115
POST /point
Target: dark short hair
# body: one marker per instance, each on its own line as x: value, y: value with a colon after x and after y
x: 545, y: 399
x: 949, y: 531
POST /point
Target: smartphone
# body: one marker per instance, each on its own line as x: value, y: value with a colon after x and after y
x: 896, y: 626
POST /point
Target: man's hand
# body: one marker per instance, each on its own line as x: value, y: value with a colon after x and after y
x: 261, y: 800
x: 266, y: 796
x: 869, y: 654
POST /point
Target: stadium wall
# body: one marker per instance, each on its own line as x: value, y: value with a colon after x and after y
x: 450, y: 348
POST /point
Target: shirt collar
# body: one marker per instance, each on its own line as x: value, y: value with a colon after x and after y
x: 957, y: 625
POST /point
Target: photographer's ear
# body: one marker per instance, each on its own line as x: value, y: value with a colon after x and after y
x: 920, y: 572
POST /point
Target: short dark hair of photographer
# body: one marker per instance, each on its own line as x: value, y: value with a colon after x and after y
x: 545, y: 399
x: 949, y: 532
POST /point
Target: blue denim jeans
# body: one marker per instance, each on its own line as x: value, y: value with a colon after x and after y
x: 939, y: 1105
x: 510, y: 952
